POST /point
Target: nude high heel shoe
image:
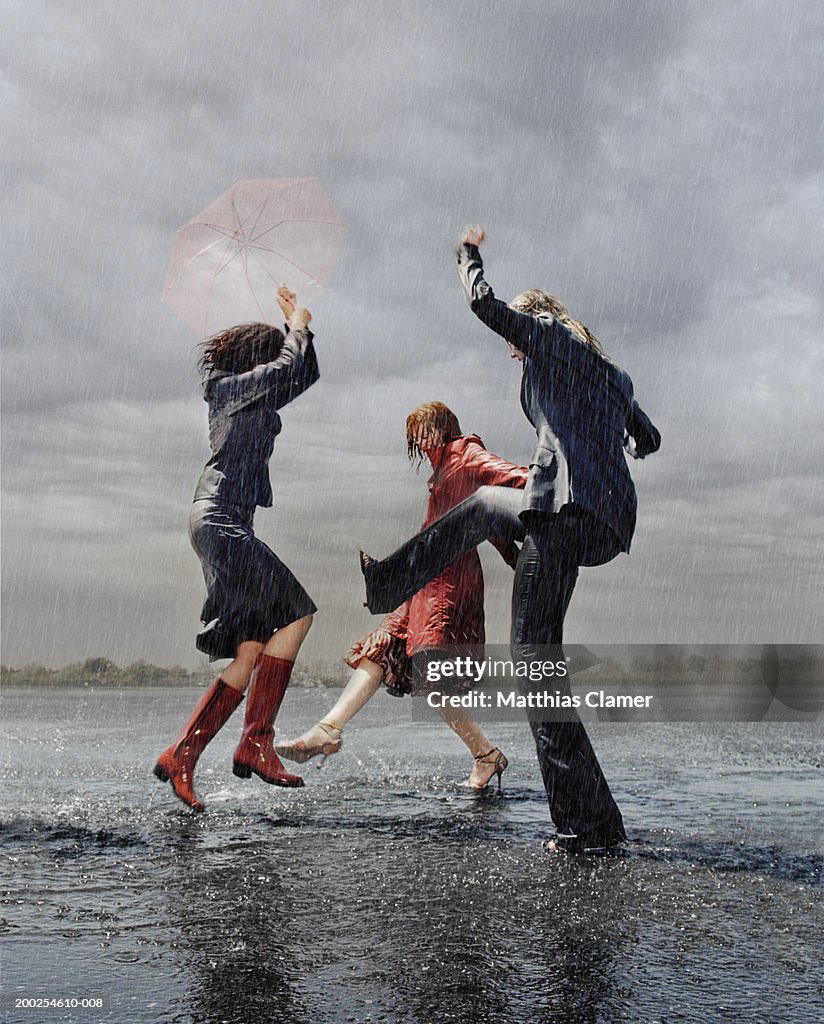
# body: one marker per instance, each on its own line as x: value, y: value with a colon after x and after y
x: 322, y: 738
x: 486, y: 765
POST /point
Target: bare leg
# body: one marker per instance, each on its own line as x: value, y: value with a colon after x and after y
x: 325, y: 737
x: 465, y: 727
x: 362, y: 686
x: 488, y: 758
x: 177, y: 763
x: 237, y: 673
x: 285, y: 643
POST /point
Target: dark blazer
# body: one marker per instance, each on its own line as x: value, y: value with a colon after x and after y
x: 244, y: 422
x: 582, y: 408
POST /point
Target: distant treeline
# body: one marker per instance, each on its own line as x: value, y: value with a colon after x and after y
x: 98, y: 671
x: 103, y: 672
x: 668, y: 666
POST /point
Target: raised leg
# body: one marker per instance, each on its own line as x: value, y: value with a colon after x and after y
x: 489, y: 512
x: 325, y: 737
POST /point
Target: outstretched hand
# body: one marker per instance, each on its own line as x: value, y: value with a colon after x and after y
x: 300, y: 319
x: 296, y: 316
x: 473, y: 234
x: 287, y: 301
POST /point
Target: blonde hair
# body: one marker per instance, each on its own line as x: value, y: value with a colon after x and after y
x: 433, y: 422
x: 534, y: 302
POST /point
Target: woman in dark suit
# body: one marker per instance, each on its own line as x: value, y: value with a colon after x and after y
x: 578, y: 509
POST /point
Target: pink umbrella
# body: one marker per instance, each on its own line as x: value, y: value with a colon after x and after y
x: 228, y: 261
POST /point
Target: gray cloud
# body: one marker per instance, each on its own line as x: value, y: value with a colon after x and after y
x: 657, y: 165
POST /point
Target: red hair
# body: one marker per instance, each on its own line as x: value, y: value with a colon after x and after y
x: 433, y: 422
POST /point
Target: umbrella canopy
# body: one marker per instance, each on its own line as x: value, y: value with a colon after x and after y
x: 228, y: 261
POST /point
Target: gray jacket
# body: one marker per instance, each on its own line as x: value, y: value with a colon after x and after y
x: 243, y: 422
x: 582, y: 408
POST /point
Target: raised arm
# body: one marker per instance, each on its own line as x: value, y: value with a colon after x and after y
x: 280, y: 381
x: 519, y: 329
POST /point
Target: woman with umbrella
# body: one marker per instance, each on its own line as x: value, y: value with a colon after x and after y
x: 448, y: 611
x: 579, y: 509
x: 256, y: 612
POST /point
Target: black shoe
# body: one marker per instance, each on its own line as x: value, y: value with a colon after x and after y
x: 576, y: 844
x: 367, y: 562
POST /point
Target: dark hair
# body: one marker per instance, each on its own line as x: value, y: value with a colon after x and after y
x: 433, y: 420
x: 240, y: 348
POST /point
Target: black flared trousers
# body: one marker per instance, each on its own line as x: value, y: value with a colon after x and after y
x: 579, y: 797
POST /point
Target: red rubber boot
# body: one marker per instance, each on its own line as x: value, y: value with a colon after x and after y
x: 256, y: 752
x: 177, y: 763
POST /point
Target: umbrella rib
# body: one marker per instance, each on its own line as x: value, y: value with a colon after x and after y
x: 238, y: 222
x: 242, y: 253
x: 222, y: 231
x: 302, y: 220
x: 251, y: 289
x: 266, y: 270
x: 225, y: 233
x: 246, y: 233
x: 238, y: 251
x: 264, y: 248
x: 243, y: 240
x: 292, y: 263
x: 266, y: 231
x: 257, y: 213
x: 198, y: 254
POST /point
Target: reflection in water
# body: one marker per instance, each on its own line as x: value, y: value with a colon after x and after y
x: 419, y: 930
x: 230, y: 909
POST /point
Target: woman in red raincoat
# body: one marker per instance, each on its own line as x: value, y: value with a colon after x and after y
x: 448, y: 611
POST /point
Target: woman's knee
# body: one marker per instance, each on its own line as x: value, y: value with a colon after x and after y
x: 481, y: 506
x: 248, y: 650
x: 500, y: 505
x: 485, y: 497
x: 372, y: 669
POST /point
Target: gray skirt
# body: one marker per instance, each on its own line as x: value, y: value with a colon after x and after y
x: 249, y: 592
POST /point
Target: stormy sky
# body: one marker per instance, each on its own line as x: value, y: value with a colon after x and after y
x: 657, y: 165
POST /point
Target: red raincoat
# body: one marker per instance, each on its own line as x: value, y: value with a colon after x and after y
x: 450, y: 609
